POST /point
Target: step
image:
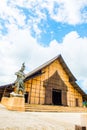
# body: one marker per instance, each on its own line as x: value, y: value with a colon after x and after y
x: 51, y: 108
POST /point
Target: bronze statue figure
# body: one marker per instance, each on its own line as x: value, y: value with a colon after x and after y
x: 19, y: 83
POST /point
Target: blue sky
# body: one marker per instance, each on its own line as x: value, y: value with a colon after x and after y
x: 34, y: 31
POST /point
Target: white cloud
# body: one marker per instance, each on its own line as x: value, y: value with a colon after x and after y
x: 11, y: 14
x: 71, y: 12
x: 67, y: 11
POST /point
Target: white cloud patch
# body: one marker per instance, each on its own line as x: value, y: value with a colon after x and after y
x: 68, y: 11
x: 76, y: 48
x: 72, y: 12
x: 11, y: 14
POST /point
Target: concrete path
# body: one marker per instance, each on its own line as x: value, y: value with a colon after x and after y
x: 12, y: 120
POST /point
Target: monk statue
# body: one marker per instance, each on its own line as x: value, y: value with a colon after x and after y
x: 19, y: 83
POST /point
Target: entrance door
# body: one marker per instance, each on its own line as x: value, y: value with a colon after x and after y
x: 26, y: 97
x: 56, y: 97
x: 77, y: 103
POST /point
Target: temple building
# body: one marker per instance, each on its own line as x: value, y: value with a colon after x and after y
x: 51, y: 84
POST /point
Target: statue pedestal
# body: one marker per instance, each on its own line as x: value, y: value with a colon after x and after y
x: 16, y: 104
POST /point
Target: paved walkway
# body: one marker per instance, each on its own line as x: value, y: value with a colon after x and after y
x: 12, y: 120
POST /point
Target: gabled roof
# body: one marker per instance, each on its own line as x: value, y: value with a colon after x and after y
x: 62, y: 62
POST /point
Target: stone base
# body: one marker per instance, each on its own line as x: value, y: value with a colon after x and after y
x: 4, y: 101
x: 16, y: 104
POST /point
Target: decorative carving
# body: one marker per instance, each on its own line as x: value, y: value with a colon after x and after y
x: 55, y: 82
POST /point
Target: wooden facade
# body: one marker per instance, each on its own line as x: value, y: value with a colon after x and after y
x: 53, y: 84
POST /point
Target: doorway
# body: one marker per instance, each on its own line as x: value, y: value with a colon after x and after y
x: 26, y: 97
x: 56, y: 97
x: 77, y: 102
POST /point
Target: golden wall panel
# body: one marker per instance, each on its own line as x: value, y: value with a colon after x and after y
x: 36, y: 100
x: 41, y: 100
x: 32, y: 101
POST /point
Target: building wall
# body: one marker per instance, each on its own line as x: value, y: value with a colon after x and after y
x: 36, y: 88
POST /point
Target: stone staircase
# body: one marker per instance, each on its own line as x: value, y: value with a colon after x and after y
x: 51, y: 108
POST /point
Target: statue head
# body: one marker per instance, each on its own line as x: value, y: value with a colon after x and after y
x: 23, y: 67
